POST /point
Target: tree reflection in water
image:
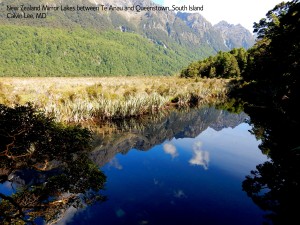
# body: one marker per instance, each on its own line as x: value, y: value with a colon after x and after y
x: 48, y: 165
x: 274, y: 185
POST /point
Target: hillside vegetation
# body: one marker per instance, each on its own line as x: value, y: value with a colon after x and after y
x: 270, y: 69
x: 103, y: 43
x: 37, y: 51
x: 222, y: 65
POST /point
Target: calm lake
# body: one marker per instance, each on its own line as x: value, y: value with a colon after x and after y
x: 183, y: 167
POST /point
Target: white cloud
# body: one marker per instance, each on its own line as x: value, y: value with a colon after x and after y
x: 67, y: 216
x: 242, y: 12
x: 170, y: 149
x: 200, y: 157
x: 115, y: 163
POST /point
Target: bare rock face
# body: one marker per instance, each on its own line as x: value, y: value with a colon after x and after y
x: 185, y: 28
x: 235, y: 35
x: 191, y: 31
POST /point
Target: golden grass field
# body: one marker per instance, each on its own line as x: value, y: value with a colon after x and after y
x: 80, y: 99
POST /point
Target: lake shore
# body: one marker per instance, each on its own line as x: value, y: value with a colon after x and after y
x: 79, y: 99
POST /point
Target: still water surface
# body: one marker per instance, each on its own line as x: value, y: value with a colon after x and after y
x: 186, y: 168
x: 182, y: 167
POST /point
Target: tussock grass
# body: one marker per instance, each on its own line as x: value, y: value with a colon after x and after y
x: 80, y: 99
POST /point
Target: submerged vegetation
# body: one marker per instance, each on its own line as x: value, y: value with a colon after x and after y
x: 79, y: 99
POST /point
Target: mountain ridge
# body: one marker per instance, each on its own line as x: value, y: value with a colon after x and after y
x: 178, y: 37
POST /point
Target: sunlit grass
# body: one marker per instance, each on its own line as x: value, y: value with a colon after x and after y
x: 79, y: 99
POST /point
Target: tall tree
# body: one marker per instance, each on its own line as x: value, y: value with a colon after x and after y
x: 275, y: 60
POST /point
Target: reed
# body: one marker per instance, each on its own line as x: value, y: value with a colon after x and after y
x: 80, y: 99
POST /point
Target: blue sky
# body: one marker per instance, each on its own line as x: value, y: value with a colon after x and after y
x: 242, y: 12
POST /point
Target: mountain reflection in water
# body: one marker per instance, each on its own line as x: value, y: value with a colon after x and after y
x: 159, y: 184
x: 144, y: 134
x: 175, y: 169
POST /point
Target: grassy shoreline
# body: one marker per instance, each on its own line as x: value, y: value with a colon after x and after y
x: 80, y: 99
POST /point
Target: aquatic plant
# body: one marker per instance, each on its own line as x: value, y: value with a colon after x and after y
x: 81, y: 99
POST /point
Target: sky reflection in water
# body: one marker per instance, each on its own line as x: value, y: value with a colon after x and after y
x: 181, y: 181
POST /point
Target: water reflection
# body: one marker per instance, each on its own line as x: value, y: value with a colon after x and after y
x: 200, y: 157
x: 146, y: 133
x: 171, y: 150
x: 176, y: 169
x: 46, y: 167
x: 275, y: 185
x: 49, y: 171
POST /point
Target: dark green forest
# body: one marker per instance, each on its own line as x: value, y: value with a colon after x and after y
x: 273, y: 104
x: 37, y: 51
x: 223, y: 65
x: 269, y: 71
x: 88, y: 44
x: 268, y: 89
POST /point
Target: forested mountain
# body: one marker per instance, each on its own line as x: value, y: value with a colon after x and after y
x: 105, y: 42
x: 270, y: 69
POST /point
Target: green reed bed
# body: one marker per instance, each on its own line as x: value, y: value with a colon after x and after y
x: 81, y: 99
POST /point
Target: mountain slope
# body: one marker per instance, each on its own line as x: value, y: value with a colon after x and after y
x: 103, y: 42
x: 234, y: 35
x: 36, y: 51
